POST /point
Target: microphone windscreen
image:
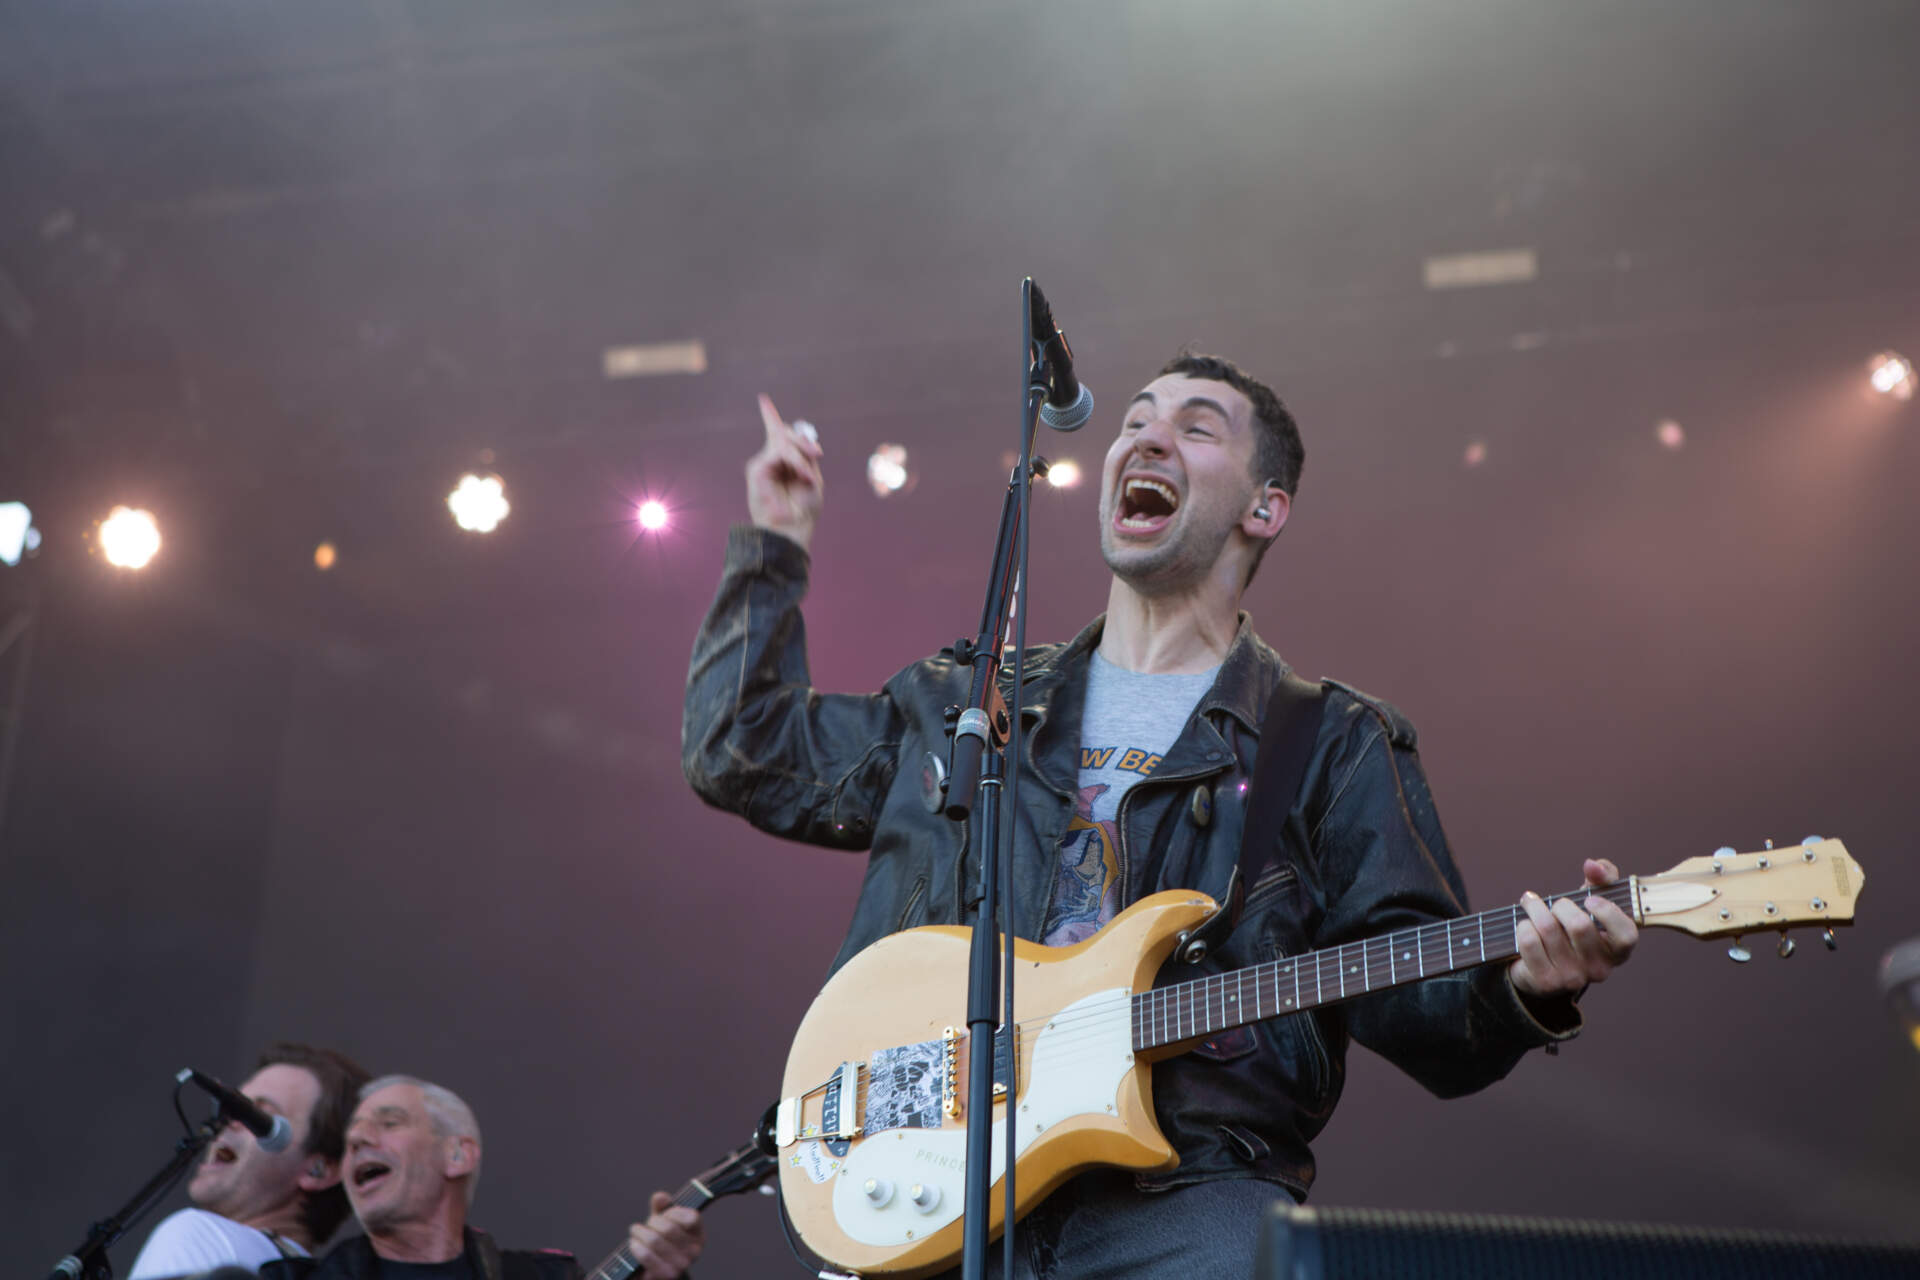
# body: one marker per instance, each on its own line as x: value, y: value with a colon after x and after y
x: 1071, y: 418
x: 277, y: 1137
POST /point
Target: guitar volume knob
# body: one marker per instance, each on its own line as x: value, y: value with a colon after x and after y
x: 925, y: 1196
x: 878, y: 1192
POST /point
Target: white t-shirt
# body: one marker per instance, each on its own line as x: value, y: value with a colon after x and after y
x: 193, y: 1240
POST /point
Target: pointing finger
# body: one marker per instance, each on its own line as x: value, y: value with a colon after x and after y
x: 770, y: 416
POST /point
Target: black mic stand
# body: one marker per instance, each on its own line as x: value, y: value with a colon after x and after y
x: 983, y: 733
x: 89, y: 1260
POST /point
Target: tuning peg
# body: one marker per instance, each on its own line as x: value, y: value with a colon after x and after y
x: 1738, y: 954
x: 1787, y: 947
x: 1810, y: 841
x: 1826, y: 936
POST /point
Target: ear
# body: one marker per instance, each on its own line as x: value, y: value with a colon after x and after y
x: 1275, y: 504
x: 318, y: 1174
x: 462, y: 1155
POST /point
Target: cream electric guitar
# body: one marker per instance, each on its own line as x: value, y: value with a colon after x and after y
x: 870, y: 1132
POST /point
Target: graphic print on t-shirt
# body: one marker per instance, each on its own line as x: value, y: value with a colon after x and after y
x: 1089, y: 874
x: 1130, y: 721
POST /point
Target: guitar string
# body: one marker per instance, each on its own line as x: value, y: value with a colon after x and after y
x: 1342, y: 954
x: 1188, y: 1004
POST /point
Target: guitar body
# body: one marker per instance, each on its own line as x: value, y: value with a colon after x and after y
x: 889, y: 1201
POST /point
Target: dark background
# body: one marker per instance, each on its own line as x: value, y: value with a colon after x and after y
x: 281, y: 272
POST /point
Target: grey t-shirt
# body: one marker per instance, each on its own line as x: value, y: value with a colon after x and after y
x: 1131, y: 720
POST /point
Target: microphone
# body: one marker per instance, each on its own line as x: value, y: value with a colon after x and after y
x: 273, y: 1133
x: 1069, y: 404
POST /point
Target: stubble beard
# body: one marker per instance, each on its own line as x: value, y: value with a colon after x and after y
x: 1185, y: 554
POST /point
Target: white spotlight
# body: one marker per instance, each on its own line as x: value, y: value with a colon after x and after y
x: 1064, y: 474
x: 887, y: 470
x: 478, y: 503
x: 652, y: 515
x: 1670, y: 434
x: 1891, y: 375
x: 17, y: 534
x: 129, y: 538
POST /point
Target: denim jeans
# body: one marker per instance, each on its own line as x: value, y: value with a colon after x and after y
x: 1100, y: 1225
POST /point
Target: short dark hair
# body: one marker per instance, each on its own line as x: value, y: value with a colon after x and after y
x: 340, y: 1078
x: 1278, y: 454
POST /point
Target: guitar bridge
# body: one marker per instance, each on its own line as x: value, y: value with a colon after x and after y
x: 1004, y: 1064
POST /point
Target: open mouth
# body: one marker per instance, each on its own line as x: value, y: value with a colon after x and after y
x: 1146, y: 504
x: 222, y: 1155
x: 369, y: 1173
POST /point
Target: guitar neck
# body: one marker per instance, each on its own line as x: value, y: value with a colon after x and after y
x: 621, y: 1263
x: 1193, y: 1010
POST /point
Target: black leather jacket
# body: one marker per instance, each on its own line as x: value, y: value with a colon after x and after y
x: 354, y: 1259
x: 1366, y: 853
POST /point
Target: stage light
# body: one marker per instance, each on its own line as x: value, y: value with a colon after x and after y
x: 652, y: 515
x: 1891, y: 375
x: 1475, y: 454
x: 1670, y: 433
x: 1900, y: 986
x: 478, y: 503
x: 18, y: 537
x: 129, y: 538
x: 323, y: 556
x: 887, y: 470
x: 1064, y: 474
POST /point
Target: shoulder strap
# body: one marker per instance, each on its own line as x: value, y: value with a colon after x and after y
x: 1288, y: 733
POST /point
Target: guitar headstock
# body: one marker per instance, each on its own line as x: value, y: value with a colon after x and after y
x: 1815, y: 882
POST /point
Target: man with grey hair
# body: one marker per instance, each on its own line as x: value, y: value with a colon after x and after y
x: 412, y: 1164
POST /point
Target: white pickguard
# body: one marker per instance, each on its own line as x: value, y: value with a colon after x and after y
x: 1076, y: 1065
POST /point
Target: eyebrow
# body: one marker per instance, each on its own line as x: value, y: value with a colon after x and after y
x: 1192, y: 402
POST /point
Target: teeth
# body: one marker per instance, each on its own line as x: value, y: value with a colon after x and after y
x: 1154, y: 486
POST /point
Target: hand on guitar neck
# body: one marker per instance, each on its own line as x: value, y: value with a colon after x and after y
x: 667, y: 1243
x: 1570, y: 945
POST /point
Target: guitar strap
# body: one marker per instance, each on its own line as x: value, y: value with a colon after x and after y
x: 1288, y: 733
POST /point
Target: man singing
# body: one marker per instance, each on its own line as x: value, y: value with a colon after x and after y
x: 1142, y: 732
x: 412, y: 1167
x: 252, y: 1206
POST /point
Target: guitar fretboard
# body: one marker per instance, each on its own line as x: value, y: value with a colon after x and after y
x: 621, y: 1263
x: 1191, y: 1010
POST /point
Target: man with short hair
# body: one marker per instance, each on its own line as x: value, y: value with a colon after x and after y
x: 251, y: 1205
x: 411, y: 1169
x: 1140, y: 741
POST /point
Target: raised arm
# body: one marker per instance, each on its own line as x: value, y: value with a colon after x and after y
x: 756, y: 738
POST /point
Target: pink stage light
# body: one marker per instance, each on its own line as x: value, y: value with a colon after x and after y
x: 652, y: 515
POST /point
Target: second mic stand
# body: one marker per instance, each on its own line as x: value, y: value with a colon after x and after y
x: 89, y: 1260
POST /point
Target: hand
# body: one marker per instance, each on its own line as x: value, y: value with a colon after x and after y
x: 1574, y: 943
x: 666, y: 1244
x: 783, y: 479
